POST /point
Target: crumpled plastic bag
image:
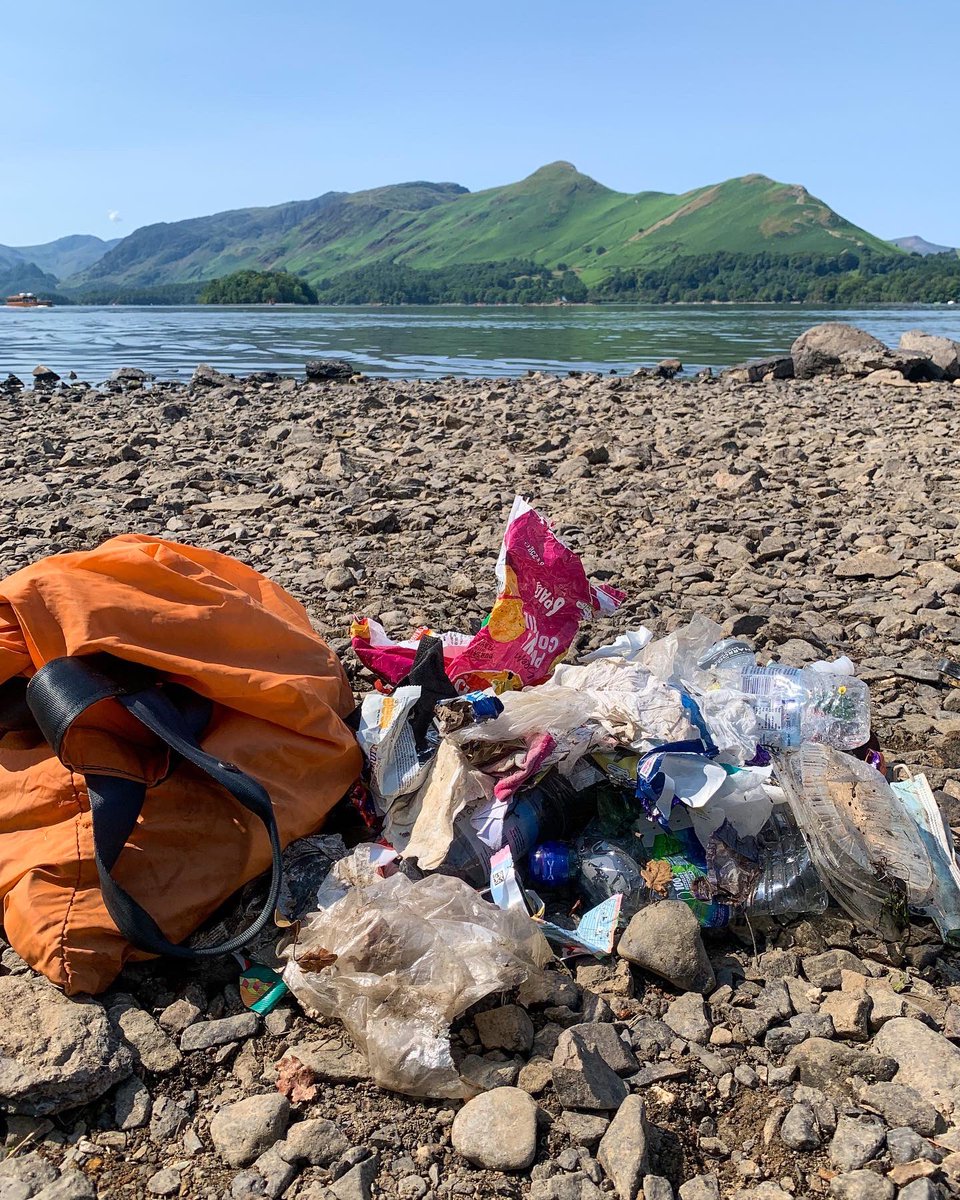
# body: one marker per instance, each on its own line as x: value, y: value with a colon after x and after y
x: 543, y: 596
x: 410, y: 957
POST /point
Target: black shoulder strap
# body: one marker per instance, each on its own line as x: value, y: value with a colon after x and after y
x: 66, y: 687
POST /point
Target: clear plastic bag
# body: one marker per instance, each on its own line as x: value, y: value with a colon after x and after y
x: 861, y: 839
x: 408, y: 957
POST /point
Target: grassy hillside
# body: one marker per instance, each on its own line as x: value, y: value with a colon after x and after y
x: 554, y: 216
x: 68, y: 255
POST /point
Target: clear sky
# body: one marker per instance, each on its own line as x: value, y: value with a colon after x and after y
x: 155, y: 110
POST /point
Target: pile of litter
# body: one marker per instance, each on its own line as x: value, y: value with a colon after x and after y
x: 521, y: 808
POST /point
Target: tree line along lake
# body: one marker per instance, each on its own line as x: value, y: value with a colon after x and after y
x: 424, y: 342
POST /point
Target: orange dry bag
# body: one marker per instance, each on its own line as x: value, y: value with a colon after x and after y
x: 169, y: 721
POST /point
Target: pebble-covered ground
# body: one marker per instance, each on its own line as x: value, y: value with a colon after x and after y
x: 816, y: 517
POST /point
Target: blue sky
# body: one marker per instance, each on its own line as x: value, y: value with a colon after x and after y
x: 158, y: 111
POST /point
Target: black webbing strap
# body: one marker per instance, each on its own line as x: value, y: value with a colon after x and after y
x: 65, y: 688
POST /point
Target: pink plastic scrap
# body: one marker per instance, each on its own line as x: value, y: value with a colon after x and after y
x: 543, y: 596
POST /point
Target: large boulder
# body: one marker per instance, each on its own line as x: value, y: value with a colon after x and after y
x: 329, y: 370
x: 664, y: 939
x: 55, y: 1052
x: 942, y: 351
x: 836, y: 348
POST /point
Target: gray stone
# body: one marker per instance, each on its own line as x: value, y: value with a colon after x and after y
x: 856, y: 1141
x: 833, y: 1067
x: 71, y: 1185
x: 822, y: 1105
x: 316, y: 1141
x: 357, y: 1183
x: 204, y: 1034
x: 24, y: 1175
x: 582, y: 1079
x: 483, y: 1074
x: 167, y: 1120
x: 861, y: 1185
x: 624, y: 1151
x: 823, y: 970
x: 664, y: 939
x: 586, y: 1129
x: 687, y: 1017
x: 800, y: 1129
x: 655, y: 1187
x: 177, y: 1016
x: 276, y: 1173
x: 850, y: 1013
x: 942, y: 351
x: 836, y: 348
x: 535, y: 1076
x: 332, y: 370
x: 153, y: 1049
x: 497, y: 1130
x: 905, y: 1145
x: 577, y: 1186
x: 242, y: 1131
x: 902, y: 1105
x: 505, y: 1028
x: 55, y: 1052
x: 919, y: 1189
x: 927, y: 1062
x: 649, y: 1036
x: 333, y: 1062
x: 131, y: 1104
x: 604, y: 1039
x: 166, y: 1182
x: 701, y: 1187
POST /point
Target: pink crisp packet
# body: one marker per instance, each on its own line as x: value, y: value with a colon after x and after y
x: 543, y: 597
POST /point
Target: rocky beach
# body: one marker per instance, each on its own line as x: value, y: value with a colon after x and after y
x: 809, y: 503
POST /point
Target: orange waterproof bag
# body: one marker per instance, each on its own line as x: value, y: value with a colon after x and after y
x: 169, y: 721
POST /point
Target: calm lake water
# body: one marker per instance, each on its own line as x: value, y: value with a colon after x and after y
x: 422, y: 342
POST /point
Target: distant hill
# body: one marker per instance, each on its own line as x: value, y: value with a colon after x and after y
x: 555, y: 217
x: 919, y: 245
x: 67, y: 255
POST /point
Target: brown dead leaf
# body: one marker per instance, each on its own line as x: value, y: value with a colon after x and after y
x: 657, y: 875
x: 295, y: 1080
x: 316, y: 960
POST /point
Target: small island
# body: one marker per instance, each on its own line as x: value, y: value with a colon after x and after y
x: 258, y: 287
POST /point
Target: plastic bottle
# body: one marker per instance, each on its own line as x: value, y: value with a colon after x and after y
x: 792, y: 704
x: 553, y: 810
x: 790, y: 883
x: 605, y: 870
x: 553, y: 864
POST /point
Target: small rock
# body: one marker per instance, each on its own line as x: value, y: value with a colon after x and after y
x: 497, y: 1130
x: 800, y: 1129
x: 856, y: 1141
x: 505, y: 1028
x: 582, y: 1079
x: 586, y: 1129
x: 655, y: 1187
x: 316, y: 1141
x: 131, y: 1104
x: 357, y: 1183
x: 339, y: 579
x: 861, y: 1185
x: 850, y: 1014
x: 242, y: 1131
x: 166, y: 1182
x: 624, y: 1150
x: 831, y: 1066
x: 333, y: 370
x: 927, y: 1062
x: 665, y: 939
x: 462, y: 585
x: 205, y: 1034
x: 535, y: 1076
x: 701, y: 1187
x: 687, y: 1017
x: 604, y: 1039
x: 177, y: 1016
x: 905, y: 1145
x: 153, y: 1049
x: 485, y: 1074
x: 167, y: 1120
x: 919, y: 1189
x: 902, y: 1105
x: 823, y: 970
x: 72, y: 1185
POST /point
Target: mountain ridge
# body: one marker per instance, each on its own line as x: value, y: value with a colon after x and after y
x: 556, y: 217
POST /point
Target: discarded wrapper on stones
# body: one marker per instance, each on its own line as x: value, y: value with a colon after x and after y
x: 675, y: 769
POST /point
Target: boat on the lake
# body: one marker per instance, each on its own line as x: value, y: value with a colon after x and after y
x: 26, y: 300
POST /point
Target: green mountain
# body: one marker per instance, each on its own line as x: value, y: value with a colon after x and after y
x: 554, y: 216
x: 67, y: 255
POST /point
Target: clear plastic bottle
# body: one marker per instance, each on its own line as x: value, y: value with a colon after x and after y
x: 605, y: 870
x: 790, y: 883
x: 793, y: 704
